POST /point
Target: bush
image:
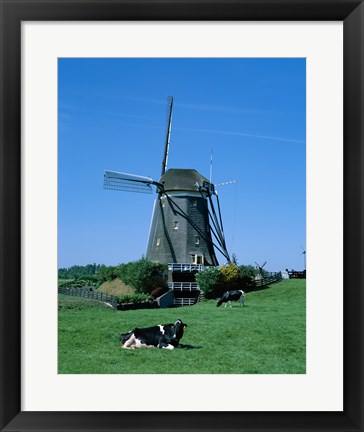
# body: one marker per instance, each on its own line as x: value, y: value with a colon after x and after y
x: 106, y: 274
x: 209, y: 280
x: 133, y: 298
x: 247, y: 274
x: 214, y: 282
x: 144, y: 275
x: 80, y: 283
x: 125, y: 272
x: 229, y: 274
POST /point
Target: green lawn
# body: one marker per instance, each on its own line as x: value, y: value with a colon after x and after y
x: 266, y: 336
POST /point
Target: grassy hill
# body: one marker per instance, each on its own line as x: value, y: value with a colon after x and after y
x: 266, y: 336
x: 116, y: 287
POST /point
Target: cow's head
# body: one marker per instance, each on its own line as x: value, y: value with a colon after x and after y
x: 179, y: 326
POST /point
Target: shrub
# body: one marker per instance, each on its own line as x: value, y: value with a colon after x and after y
x: 125, y: 272
x: 229, y: 278
x: 214, y: 282
x: 133, y: 298
x: 209, y: 280
x: 105, y: 274
x: 145, y: 275
x: 229, y: 273
x: 247, y: 274
x: 80, y: 283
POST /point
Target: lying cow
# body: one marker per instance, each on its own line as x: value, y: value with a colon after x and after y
x: 229, y: 296
x: 161, y: 336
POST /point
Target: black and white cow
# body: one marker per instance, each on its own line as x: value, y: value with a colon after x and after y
x: 161, y: 336
x: 228, y: 296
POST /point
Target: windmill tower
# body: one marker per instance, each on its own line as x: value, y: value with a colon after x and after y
x: 304, y: 258
x: 260, y: 274
x: 185, y: 226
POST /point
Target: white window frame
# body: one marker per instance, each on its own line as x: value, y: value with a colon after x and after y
x: 195, y: 259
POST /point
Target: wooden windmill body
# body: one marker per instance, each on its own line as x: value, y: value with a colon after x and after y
x: 180, y: 229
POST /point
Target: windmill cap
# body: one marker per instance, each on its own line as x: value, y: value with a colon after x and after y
x: 182, y: 180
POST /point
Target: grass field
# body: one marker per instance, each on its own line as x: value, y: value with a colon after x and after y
x: 63, y: 281
x: 266, y: 336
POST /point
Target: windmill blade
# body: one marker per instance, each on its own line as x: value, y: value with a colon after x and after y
x: 168, y: 133
x: 226, y: 183
x: 260, y: 267
x: 127, y: 182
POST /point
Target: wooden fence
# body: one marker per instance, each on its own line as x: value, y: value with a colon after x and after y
x: 268, y: 279
x: 90, y: 293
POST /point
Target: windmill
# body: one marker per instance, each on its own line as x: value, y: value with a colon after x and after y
x: 185, y: 226
x: 304, y: 257
x: 260, y: 270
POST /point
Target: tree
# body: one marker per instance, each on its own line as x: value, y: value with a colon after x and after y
x: 214, y: 281
x: 105, y: 274
x: 145, y: 275
x: 76, y: 271
x: 247, y: 274
x: 208, y: 281
x: 234, y: 258
x: 229, y: 274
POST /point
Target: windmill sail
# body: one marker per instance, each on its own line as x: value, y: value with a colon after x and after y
x: 168, y: 133
x: 127, y: 182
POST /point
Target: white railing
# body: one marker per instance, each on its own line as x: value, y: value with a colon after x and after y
x: 184, y: 301
x: 183, y: 286
x: 185, y: 267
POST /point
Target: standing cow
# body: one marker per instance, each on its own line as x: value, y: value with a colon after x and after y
x: 229, y: 296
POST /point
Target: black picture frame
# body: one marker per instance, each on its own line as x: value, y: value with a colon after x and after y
x: 13, y: 12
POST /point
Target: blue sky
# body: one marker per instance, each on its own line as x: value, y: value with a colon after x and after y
x: 250, y: 112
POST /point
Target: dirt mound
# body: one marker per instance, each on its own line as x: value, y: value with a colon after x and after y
x: 116, y: 287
